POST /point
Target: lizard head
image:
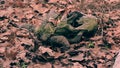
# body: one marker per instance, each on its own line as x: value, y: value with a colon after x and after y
x: 72, y: 18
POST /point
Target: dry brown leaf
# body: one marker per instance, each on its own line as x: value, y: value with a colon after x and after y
x: 77, y: 65
x: 65, y: 61
x: 40, y: 8
x: 47, y: 65
x: 36, y: 23
x: 2, y: 49
x: 6, y: 12
x: 29, y: 16
x: 101, y: 61
x: 21, y: 55
x: 117, y: 61
x: 19, y: 13
x: 5, y: 44
x: 26, y: 41
x: 11, y: 53
x: 44, y: 50
x: 22, y: 33
x: 6, y: 64
x: 115, y: 17
x: 96, y: 38
x: 111, y: 1
x: 57, y: 54
x: 17, y: 3
x: 80, y: 57
x: 34, y: 66
x: 53, y: 1
x: 63, y: 2
x: 108, y: 57
x: 100, y: 66
x: 101, y: 54
x: 18, y: 44
x: 4, y: 38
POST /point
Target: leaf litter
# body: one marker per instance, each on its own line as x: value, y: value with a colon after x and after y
x: 18, y: 43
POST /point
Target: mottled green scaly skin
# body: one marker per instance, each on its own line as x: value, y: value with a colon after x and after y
x: 45, y: 31
x: 89, y: 23
x: 65, y: 33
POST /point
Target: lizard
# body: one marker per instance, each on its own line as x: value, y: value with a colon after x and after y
x: 69, y: 31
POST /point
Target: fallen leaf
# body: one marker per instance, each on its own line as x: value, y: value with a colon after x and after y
x: 7, y: 11
x: 117, y: 61
x: 44, y: 50
x: 78, y: 58
x: 40, y: 8
x: 2, y: 50
x: 77, y: 65
x: 53, y: 1
x: 57, y: 54
x: 6, y: 64
x: 100, y: 66
x: 22, y: 33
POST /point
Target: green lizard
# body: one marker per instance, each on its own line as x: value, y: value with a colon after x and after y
x: 69, y: 31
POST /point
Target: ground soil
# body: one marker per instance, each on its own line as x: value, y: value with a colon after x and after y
x: 19, y: 47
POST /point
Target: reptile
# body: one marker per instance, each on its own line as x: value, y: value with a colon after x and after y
x: 68, y: 31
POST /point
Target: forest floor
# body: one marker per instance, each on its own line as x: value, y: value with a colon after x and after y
x: 17, y: 18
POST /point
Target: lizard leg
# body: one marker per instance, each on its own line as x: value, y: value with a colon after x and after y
x: 77, y: 38
x: 59, y: 40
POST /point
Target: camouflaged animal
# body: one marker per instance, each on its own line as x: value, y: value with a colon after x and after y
x: 69, y: 31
